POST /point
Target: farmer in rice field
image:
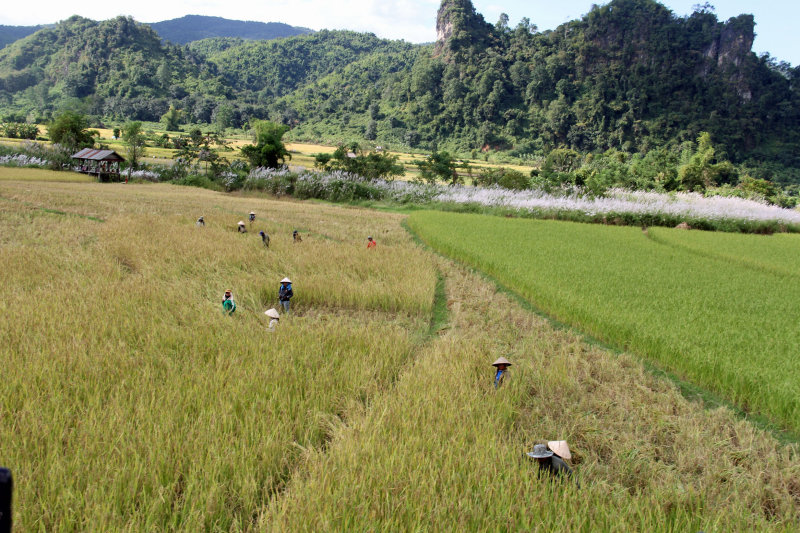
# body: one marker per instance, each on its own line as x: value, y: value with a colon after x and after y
x: 501, y: 365
x: 371, y: 243
x: 549, y: 463
x: 252, y: 217
x: 264, y: 239
x: 296, y: 236
x: 285, y: 293
x: 274, y: 318
x: 200, y: 222
x: 242, y: 229
x: 228, y: 305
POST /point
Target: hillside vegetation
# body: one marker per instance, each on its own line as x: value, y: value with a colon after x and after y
x: 691, y: 304
x: 131, y: 403
x: 629, y: 76
x: 9, y: 34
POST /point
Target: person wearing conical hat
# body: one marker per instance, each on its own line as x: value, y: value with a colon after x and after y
x: 274, y: 318
x: 501, y: 365
x: 371, y: 243
x: 201, y: 222
x: 252, y: 217
x: 285, y: 293
x: 548, y: 462
x: 560, y: 448
x: 242, y: 229
x: 264, y: 239
x: 228, y: 305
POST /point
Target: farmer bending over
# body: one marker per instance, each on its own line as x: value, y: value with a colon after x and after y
x: 285, y: 293
x: 371, y: 243
x: 200, y: 222
x: 264, y: 239
x: 228, y: 305
x: 550, y: 463
x: 501, y: 365
x: 242, y: 229
x: 274, y: 318
x: 296, y: 236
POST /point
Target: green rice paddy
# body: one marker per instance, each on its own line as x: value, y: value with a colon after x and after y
x: 719, y: 310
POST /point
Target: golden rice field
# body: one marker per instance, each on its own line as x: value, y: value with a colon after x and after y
x: 131, y: 403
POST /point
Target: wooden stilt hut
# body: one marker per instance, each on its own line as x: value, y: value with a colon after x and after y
x: 101, y: 163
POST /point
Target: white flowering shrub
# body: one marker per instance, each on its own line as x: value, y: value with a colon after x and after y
x: 147, y: 175
x: 618, y: 202
x: 22, y: 160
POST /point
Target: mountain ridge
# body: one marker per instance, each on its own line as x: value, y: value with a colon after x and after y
x: 186, y: 29
x: 627, y: 76
x: 9, y: 34
x: 189, y: 28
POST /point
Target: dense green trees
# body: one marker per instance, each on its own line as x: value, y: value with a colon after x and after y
x: 116, y: 68
x: 135, y: 141
x: 71, y: 130
x: 370, y: 165
x: 19, y: 130
x: 268, y: 150
x: 172, y: 119
x: 440, y: 166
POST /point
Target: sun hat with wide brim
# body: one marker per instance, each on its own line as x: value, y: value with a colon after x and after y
x: 272, y: 313
x: 502, y: 361
x: 560, y: 448
x: 241, y: 222
x: 540, y: 451
x: 286, y: 280
x: 252, y: 212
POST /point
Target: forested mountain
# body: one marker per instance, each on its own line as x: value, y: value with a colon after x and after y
x: 9, y: 34
x: 196, y: 27
x: 275, y: 68
x: 188, y: 28
x: 114, y: 68
x: 629, y: 76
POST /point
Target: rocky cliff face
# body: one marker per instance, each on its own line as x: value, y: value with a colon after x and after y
x: 459, y: 26
x: 444, y: 25
x: 730, y: 49
x: 733, y: 43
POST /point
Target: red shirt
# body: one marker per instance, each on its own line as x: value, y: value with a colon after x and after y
x: 371, y: 244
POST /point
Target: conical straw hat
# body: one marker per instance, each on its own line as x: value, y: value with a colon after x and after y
x: 272, y: 313
x: 241, y: 222
x: 560, y: 448
x: 502, y: 361
x: 286, y: 280
x: 252, y: 212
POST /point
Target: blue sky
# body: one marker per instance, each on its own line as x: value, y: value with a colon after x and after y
x: 412, y: 20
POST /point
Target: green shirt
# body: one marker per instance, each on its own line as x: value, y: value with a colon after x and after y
x: 229, y: 306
